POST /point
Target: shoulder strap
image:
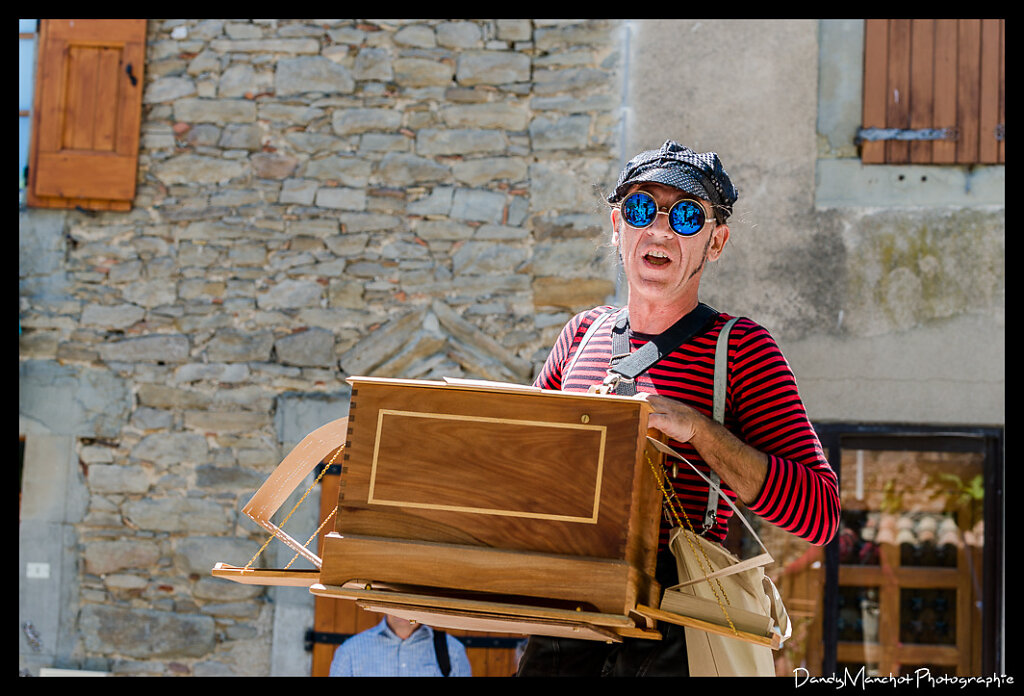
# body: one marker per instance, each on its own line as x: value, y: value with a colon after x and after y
x: 720, y: 388
x: 625, y: 366
x: 441, y: 650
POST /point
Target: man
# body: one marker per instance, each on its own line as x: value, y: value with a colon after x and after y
x: 399, y: 648
x: 668, y: 217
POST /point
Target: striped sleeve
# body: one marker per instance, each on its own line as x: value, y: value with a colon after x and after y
x: 800, y: 493
x: 564, y: 349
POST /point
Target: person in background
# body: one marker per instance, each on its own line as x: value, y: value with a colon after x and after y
x: 399, y: 648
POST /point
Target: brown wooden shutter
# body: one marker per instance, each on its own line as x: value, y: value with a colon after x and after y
x: 87, y: 111
x: 935, y: 74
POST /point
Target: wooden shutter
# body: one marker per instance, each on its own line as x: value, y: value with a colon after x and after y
x: 87, y: 111
x: 935, y: 74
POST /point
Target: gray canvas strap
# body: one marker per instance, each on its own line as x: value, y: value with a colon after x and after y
x: 721, y: 385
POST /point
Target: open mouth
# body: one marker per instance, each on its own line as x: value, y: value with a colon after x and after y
x: 657, y: 258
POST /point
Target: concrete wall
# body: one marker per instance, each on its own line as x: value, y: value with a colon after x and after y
x: 885, y: 285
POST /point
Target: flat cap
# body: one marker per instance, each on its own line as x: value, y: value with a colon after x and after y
x: 700, y: 174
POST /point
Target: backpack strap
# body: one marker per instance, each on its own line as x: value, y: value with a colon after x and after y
x: 441, y: 650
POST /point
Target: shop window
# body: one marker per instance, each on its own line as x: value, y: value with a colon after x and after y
x: 913, y: 580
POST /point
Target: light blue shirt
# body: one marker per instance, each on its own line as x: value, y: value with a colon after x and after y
x: 378, y: 652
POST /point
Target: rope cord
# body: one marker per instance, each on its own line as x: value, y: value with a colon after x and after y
x: 294, y: 508
x: 670, y: 498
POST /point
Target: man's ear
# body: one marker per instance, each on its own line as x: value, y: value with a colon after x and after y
x: 719, y: 236
x: 615, y: 226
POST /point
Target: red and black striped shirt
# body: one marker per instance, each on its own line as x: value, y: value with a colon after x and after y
x: 763, y: 408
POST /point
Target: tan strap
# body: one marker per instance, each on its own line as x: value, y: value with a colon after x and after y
x: 755, y: 562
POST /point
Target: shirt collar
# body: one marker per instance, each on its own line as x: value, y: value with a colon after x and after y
x: 420, y: 633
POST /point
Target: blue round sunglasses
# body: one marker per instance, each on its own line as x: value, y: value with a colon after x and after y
x: 686, y: 217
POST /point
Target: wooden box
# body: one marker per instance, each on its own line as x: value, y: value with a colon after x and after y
x: 496, y: 492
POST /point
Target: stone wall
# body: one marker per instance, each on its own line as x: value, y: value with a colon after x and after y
x: 316, y: 199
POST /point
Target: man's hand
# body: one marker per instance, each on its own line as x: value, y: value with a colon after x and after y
x: 672, y: 417
x: 741, y: 466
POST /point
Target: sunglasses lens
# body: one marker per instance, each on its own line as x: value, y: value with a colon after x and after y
x: 639, y: 210
x: 686, y: 218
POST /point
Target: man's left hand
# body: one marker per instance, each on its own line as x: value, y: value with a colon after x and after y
x: 672, y: 417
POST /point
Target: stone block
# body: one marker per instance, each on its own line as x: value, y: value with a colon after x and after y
x: 108, y: 478
x: 354, y: 121
x: 479, y: 171
x: 103, y: 556
x: 170, y: 348
x: 311, y: 74
x: 144, y: 633
x: 422, y: 72
x: 291, y: 294
x: 514, y: 29
x: 373, y: 64
x: 198, y: 110
x: 567, y: 133
x: 458, y: 34
x: 480, y: 258
x: 576, y: 294
x: 297, y: 414
x: 301, y: 191
x: 309, y: 348
x: 177, y: 515
x: 405, y: 169
x: 197, y: 554
x: 497, y: 115
x: 341, y: 197
x: 117, y: 316
x: 225, y: 422
x: 478, y: 205
x: 492, y: 68
x: 348, y: 171
x: 166, y: 89
x: 460, y: 141
x: 171, y: 448
x: 197, y: 169
x: 272, y: 165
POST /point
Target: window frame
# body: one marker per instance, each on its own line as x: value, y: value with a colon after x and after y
x: 26, y: 93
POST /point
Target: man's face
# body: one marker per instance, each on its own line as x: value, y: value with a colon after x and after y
x: 660, y: 265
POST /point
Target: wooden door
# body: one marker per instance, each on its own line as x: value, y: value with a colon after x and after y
x: 490, y: 654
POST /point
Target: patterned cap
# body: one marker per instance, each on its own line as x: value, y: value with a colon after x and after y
x: 676, y: 165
